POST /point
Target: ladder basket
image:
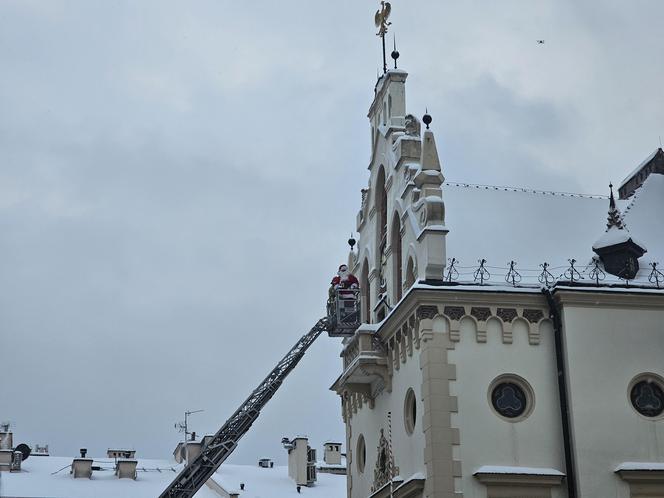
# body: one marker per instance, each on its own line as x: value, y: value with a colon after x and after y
x: 343, y: 312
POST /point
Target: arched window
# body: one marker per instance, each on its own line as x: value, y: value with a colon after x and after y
x: 395, y: 243
x: 381, y: 228
x: 365, y: 293
x: 410, y: 273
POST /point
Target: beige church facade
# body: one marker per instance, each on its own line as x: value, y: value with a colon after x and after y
x: 480, y: 382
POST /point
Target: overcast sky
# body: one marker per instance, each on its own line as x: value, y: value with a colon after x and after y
x: 178, y: 181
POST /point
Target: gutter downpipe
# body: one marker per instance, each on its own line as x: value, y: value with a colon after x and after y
x: 554, y: 314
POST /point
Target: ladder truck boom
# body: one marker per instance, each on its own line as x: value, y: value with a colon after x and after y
x: 199, y: 470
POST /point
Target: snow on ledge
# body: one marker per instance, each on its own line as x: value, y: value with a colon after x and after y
x: 535, y: 471
x: 640, y: 466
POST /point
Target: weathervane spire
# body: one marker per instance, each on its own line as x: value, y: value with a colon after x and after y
x: 381, y: 23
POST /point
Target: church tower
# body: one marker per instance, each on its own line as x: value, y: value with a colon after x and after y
x: 402, y: 218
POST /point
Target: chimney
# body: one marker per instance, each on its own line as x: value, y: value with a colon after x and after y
x: 6, y: 437
x: 125, y: 468
x: 116, y: 453
x: 6, y: 459
x: 301, y: 460
x: 332, y: 454
x: 82, y: 467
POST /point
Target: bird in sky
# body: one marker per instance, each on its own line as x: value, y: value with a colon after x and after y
x: 540, y: 42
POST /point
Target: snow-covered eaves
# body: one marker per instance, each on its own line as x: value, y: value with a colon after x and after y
x: 627, y: 466
x: 638, y: 168
x: 513, y: 470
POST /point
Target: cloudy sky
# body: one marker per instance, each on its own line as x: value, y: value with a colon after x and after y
x: 178, y: 181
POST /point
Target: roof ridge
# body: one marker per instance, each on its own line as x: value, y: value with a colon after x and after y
x: 524, y: 190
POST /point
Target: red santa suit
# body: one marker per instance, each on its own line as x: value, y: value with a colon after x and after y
x: 345, y: 280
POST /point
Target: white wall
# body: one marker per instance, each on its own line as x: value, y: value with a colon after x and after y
x: 408, y: 449
x: 487, y: 439
x: 606, y: 349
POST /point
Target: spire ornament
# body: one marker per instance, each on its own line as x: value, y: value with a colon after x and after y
x: 614, y: 219
x: 381, y: 23
x: 395, y: 53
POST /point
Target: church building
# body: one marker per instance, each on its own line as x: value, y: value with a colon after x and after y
x: 494, y: 359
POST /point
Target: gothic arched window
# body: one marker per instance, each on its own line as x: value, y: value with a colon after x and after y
x: 381, y: 228
x: 395, y: 243
x: 365, y: 293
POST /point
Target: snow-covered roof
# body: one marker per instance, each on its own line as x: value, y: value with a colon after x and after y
x: 502, y: 224
x: 641, y: 165
x: 263, y: 483
x: 48, y: 476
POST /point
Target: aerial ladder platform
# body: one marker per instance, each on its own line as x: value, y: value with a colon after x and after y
x: 343, y: 318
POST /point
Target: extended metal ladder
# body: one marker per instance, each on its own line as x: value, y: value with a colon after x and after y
x: 199, y: 470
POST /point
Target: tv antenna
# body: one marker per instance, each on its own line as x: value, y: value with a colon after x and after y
x: 183, y: 426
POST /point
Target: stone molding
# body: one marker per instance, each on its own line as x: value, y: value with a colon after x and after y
x: 596, y: 297
x: 643, y: 482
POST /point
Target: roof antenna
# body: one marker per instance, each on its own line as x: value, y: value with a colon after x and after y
x: 395, y: 55
x: 660, y: 137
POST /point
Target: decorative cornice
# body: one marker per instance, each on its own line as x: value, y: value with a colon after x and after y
x: 510, y: 479
x: 609, y: 298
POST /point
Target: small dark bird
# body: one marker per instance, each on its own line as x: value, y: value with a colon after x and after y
x: 540, y: 42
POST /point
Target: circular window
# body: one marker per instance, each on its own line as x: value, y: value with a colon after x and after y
x: 511, y: 397
x: 410, y: 411
x: 647, y: 395
x: 361, y: 453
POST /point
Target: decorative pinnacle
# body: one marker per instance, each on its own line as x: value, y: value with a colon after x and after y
x: 612, y: 201
x: 395, y: 53
x: 426, y: 119
x: 614, y: 219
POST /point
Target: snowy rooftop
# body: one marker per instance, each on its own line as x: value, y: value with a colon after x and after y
x: 502, y: 224
x: 48, y: 476
x: 641, y: 165
x: 274, y: 482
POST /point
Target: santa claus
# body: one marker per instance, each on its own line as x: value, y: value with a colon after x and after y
x: 344, y: 279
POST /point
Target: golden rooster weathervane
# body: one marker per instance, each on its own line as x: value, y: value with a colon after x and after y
x: 381, y: 23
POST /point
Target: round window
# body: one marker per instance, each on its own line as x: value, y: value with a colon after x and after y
x: 511, y: 397
x: 361, y: 453
x: 410, y: 411
x: 647, y: 395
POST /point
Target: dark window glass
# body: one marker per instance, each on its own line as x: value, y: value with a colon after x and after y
x: 509, y: 400
x: 647, y: 398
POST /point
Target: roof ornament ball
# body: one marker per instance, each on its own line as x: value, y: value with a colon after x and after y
x: 395, y: 53
x: 352, y: 242
x: 426, y: 119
